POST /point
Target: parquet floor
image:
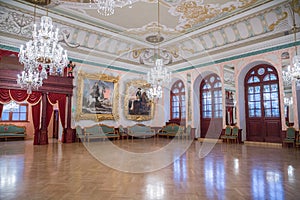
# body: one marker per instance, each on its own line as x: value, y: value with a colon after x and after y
x: 203, y: 171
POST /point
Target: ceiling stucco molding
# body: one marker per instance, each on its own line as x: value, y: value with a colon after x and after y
x: 242, y: 30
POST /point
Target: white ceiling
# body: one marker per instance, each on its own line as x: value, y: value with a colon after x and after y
x: 138, y: 21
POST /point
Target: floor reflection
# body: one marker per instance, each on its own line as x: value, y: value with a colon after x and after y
x: 214, y: 177
x: 180, y: 172
x: 267, y: 184
x: 11, y: 172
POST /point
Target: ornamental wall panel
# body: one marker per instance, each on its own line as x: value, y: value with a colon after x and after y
x: 256, y: 25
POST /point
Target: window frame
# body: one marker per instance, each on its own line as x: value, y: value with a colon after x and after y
x: 10, y: 113
x: 212, y: 85
x: 181, y: 99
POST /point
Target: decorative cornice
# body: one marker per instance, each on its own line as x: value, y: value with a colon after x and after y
x: 239, y: 56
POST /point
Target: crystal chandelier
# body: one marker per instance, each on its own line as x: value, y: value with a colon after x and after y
x: 41, y: 54
x: 293, y: 72
x: 288, y: 101
x: 158, y: 75
x: 107, y: 7
x: 30, y: 79
x: 11, y: 106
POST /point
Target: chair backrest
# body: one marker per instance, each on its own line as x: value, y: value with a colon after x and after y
x: 290, y: 133
x: 235, y: 130
x: 228, y: 130
x: 181, y: 130
x: 121, y: 129
x: 188, y: 129
x: 79, y: 130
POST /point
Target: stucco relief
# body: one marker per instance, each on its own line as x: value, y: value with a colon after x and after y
x: 16, y: 23
x: 261, y: 23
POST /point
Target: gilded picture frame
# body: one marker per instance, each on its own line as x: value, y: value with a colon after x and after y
x: 98, y: 97
x: 137, y: 106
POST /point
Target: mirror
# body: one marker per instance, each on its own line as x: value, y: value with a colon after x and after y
x: 288, y: 96
x: 230, y: 98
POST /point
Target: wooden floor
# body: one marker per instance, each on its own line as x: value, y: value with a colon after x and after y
x: 204, y: 171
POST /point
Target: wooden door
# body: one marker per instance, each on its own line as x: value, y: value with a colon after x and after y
x: 263, y: 122
x: 211, y: 106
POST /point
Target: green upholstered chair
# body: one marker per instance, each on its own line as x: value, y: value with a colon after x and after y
x: 234, y: 134
x: 290, y: 136
x: 297, y: 143
x: 227, y: 133
x: 79, y: 134
x: 122, y: 132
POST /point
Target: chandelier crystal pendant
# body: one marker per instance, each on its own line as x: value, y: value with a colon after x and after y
x: 107, y: 7
x: 30, y: 79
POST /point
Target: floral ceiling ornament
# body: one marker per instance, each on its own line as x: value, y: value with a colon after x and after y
x: 193, y: 12
x: 148, y: 56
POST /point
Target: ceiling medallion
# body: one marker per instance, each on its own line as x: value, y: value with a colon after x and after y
x: 155, y: 39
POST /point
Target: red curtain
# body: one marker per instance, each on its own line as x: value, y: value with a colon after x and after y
x: 61, y: 98
x: 18, y: 95
x: 34, y: 99
x: 36, y: 116
x: 49, y: 112
x: 4, y: 95
x: 1, y: 109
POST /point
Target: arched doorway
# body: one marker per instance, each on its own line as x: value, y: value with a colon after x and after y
x: 177, y: 103
x: 211, y: 106
x: 263, y: 122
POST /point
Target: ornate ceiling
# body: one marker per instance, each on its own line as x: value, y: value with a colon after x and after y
x: 139, y: 20
x: 191, y: 30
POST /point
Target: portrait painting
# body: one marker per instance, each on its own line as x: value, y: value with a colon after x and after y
x: 97, y: 96
x: 138, y: 106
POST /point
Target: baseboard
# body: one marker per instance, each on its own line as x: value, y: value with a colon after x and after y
x: 209, y: 140
x: 263, y: 143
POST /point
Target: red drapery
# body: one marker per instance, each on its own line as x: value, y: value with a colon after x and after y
x: 18, y: 95
x: 1, y: 109
x: 34, y: 100
x: 49, y: 112
x: 4, y: 95
x: 61, y: 99
x: 4, y: 98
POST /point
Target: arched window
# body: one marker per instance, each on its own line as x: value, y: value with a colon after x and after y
x: 178, y: 108
x: 211, y: 97
x: 211, y: 105
x: 262, y: 104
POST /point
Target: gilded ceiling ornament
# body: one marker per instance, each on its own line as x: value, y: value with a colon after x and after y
x: 174, y: 51
x: 296, y: 6
x: 273, y: 25
x: 193, y: 12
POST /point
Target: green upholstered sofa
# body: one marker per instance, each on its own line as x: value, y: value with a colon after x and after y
x: 11, y: 131
x: 170, y: 130
x: 140, y: 131
x: 100, y: 131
